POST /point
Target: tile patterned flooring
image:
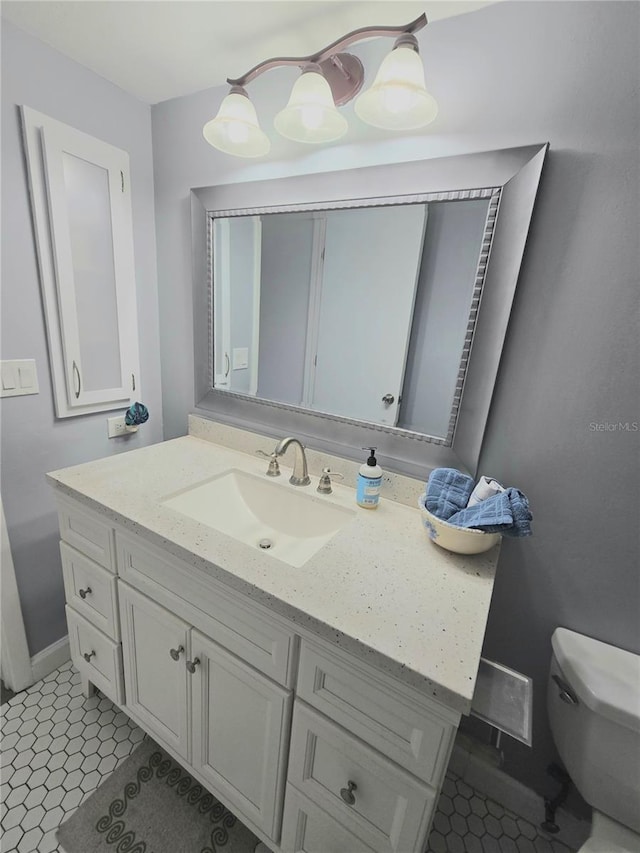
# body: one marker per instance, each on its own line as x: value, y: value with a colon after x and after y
x: 58, y: 746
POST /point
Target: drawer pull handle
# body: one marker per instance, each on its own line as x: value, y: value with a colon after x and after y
x: 191, y: 665
x: 347, y: 793
x: 83, y: 593
x: 175, y: 653
x: 88, y: 655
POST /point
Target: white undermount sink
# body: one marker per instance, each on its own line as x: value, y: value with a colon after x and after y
x: 280, y: 519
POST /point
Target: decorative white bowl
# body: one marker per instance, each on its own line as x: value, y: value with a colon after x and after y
x: 459, y: 540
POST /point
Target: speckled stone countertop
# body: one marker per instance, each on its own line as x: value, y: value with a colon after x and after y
x: 379, y: 589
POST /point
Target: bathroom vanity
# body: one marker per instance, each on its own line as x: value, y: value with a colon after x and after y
x: 318, y: 700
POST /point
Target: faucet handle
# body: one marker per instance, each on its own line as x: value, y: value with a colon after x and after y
x: 324, y: 485
x: 274, y: 468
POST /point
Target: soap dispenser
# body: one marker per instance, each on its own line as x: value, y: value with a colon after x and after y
x: 369, y: 481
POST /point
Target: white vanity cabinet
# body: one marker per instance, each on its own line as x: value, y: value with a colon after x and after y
x: 310, y: 746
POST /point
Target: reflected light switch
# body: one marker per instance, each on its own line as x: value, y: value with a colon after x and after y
x: 240, y: 358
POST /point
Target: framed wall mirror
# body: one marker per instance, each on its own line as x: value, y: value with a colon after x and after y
x: 370, y: 299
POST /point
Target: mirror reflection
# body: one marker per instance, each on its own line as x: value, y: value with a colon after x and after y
x: 361, y: 312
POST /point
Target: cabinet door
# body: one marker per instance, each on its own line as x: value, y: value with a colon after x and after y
x: 157, y: 691
x: 240, y: 731
x: 81, y: 197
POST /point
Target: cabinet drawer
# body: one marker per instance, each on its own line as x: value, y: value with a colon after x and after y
x: 390, y: 810
x: 240, y: 627
x: 90, y: 590
x: 87, y: 532
x: 376, y: 709
x: 307, y: 829
x: 104, y: 666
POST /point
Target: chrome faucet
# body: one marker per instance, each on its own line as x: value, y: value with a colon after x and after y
x: 300, y: 476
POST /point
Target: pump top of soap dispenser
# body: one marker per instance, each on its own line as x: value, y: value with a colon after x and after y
x: 372, y: 461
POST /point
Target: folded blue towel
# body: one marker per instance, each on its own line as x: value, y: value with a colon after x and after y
x: 448, y: 491
x: 507, y: 513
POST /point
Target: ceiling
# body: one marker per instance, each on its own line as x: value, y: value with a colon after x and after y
x: 161, y: 49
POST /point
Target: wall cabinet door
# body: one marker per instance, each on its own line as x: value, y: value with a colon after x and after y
x: 240, y: 731
x: 155, y: 647
x: 81, y: 198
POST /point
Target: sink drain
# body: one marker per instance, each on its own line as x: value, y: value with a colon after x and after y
x: 265, y: 544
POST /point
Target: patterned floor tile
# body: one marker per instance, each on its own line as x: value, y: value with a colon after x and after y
x: 49, y: 732
x: 58, y: 747
x: 468, y: 822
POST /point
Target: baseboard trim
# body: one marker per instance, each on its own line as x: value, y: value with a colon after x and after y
x: 478, y: 771
x: 50, y: 658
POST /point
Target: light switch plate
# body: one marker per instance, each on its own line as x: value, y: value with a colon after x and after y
x: 19, y: 377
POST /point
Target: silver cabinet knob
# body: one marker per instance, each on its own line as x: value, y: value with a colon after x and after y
x: 175, y: 653
x: 388, y: 399
x: 192, y: 664
x: 347, y: 793
x: 88, y: 656
x: 83, y: 593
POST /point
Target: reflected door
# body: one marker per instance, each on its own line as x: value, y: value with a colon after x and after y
x: 368, y: 287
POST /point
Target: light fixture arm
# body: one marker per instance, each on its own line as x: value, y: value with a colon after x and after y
x: 329, y: 50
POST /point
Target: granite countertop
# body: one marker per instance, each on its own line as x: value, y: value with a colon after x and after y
x: 379, y: 589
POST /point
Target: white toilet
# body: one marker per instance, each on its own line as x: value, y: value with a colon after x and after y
x: 593, y: 700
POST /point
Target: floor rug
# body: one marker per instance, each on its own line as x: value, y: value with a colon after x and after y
x: 150, y: 804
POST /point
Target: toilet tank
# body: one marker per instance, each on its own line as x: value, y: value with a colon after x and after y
x: 593, y: 701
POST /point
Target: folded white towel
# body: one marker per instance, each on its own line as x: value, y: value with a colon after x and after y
x: 486, y: 487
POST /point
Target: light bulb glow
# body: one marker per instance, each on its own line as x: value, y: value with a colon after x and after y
x: 237, y: 132
x: 311, y: 116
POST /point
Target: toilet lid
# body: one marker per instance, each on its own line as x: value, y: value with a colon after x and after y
x: 605, y: 678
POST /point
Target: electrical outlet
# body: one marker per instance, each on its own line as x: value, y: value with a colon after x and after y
x: 117, y: 427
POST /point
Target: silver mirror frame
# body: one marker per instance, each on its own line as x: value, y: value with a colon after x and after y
x: 510, y: 175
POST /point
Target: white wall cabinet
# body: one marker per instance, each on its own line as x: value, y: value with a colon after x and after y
x: 81, y: 199
x: 313, y: 749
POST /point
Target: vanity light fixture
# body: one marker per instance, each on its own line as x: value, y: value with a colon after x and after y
x: 397, y: 100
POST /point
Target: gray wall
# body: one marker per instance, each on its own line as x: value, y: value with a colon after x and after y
x: 33, y: 441
x: 510, y: 74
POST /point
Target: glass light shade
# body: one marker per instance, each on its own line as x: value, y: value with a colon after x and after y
x: 235, y: 130
x: 398, y: 98
x: 311, y: 115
